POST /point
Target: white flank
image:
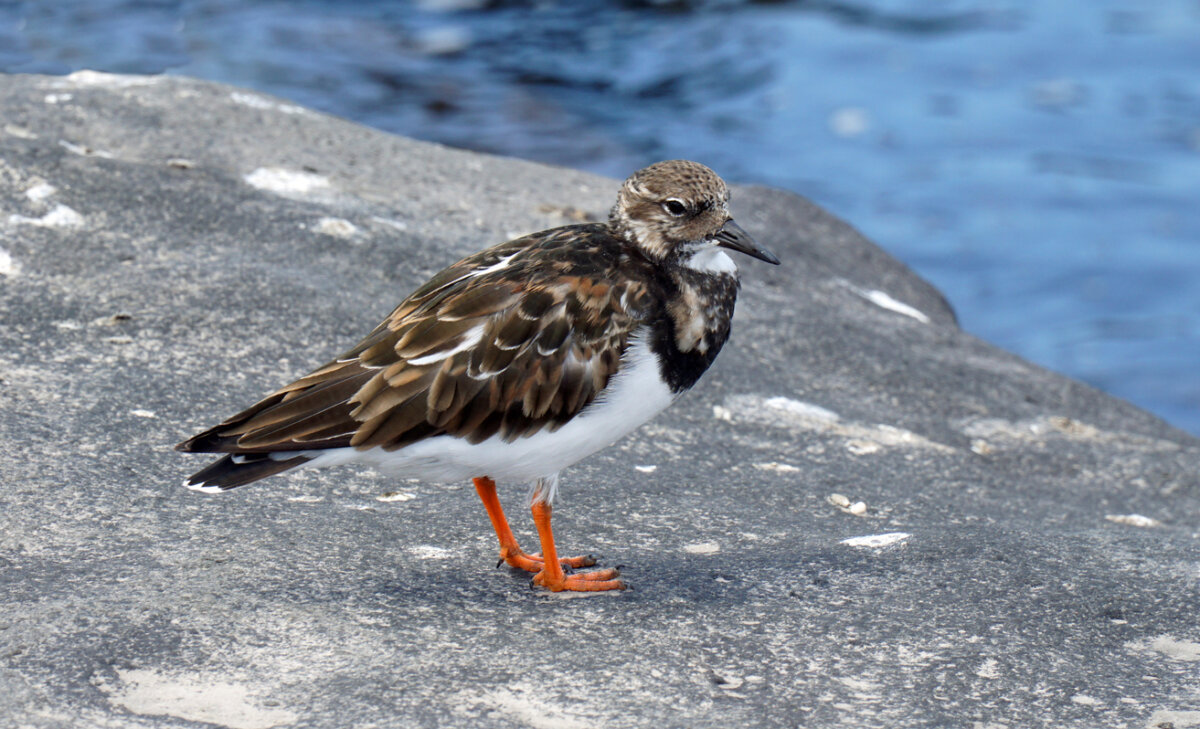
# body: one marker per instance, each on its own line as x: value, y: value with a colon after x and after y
x: 470, y: 339
x: 876, y: 541
x: 711, y: 259
x: 635, y: 394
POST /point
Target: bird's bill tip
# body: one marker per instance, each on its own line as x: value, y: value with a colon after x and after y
x: 732, y: 236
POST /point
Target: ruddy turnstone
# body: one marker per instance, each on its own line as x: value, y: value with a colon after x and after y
x: 518, y: 361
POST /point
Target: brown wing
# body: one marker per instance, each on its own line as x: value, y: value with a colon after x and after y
x: 514, y: 339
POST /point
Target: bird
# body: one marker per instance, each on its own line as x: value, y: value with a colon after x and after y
x: 518, y: 361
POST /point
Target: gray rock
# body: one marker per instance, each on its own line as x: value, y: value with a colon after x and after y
x: 172, y: 250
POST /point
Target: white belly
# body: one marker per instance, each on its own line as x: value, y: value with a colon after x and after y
x: 634, y: 395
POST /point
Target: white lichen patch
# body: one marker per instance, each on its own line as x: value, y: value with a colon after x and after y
x: 13, y: 130
x: 996, y: 432
x: 1175, y: 719
x: 784, y: 412
x: 884, y: 300
x: 1173, y: 648
x: 286, y: 182
x: 255, y: 101
x: 306, y: 499
x: 1179, y: 650
x: 702, y: 548
x: 860, y: 447
x: 40, y: 191
x: 88, y: 77
x: 395, y: 496
x: 862, y: 689
x: 83, y: 150
x: 60, y: 217
x: 876, y: 541
x: 843, y: 503
x: 777, y: 467
x: 526, y: 706
x: 800, y: 410
x: 336, y: 227
x: 1136, y: 520
x: 389, y: 222
x: 428, y: 551
x: 989, y: 669
x: 194, y: 697
x: 8, y: 266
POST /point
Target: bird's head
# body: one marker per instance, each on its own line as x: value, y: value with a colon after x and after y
x: 678, y: 212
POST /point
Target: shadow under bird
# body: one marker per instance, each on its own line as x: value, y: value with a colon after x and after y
x: 518, y: 361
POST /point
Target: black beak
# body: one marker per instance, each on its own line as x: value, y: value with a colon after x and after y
x: 732, y: 236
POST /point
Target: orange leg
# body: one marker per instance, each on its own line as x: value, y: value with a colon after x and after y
x: 510, y: 551
x: 552, y: 577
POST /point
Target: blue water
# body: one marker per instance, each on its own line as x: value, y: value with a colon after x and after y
x: 1038, y: 161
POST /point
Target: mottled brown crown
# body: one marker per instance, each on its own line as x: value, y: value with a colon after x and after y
x: 668, y: 204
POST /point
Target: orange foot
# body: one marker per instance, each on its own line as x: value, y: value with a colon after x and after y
x: 552, y: 577
x: 597, y: 581
x: 548, y: 571
x: 516, y: 557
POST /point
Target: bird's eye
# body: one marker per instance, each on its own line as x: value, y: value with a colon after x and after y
x: 674, y: 207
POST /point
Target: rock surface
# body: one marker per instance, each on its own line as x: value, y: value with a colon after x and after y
x: 862, y: 517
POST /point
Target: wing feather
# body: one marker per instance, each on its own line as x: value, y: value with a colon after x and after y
x: 514, y: 339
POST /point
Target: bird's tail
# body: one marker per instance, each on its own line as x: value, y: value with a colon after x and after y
x: 239, y: 469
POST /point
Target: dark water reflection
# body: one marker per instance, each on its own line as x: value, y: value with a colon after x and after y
x: 1039, y: 162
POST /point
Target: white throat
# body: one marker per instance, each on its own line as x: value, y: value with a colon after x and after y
x: 710, y: 259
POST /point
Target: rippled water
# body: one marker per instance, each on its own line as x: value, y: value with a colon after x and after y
x: 1039, y: 162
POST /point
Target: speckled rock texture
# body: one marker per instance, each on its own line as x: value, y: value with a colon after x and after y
x: 863, y: 516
